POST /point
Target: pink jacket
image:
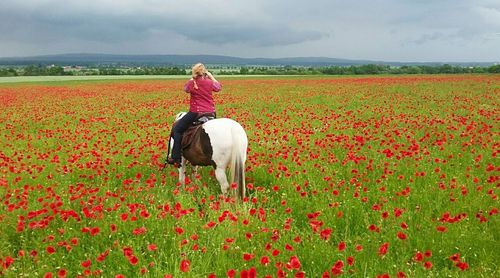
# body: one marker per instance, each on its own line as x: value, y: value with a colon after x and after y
x: 201, y: 98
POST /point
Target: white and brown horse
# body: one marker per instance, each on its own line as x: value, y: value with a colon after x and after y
x: 221, y: 143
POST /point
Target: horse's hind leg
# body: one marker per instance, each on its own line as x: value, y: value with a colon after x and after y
x: 220, y: 174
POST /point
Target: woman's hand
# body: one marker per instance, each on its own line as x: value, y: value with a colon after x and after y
x: 209, y: 75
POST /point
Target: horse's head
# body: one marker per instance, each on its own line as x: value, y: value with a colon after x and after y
x: 179, y: 115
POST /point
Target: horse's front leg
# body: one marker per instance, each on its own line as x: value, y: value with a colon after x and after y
x: 194, y: 172
x: 182, y: 172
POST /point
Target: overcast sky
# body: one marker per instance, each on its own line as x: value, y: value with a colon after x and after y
x: 389, y: 30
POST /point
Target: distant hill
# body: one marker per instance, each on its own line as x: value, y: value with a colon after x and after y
x: 187, y: 60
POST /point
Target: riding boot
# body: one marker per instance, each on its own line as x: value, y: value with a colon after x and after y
x: 181, y: 125
x: 177, y: 148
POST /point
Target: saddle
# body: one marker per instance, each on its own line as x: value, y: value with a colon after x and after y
x: 203, y: 118
x: 192, y: 134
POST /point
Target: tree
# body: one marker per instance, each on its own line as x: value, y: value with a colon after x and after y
x: 33, y: 70
x: 8, y: 72
x: 55, y: 70
x: 494, y: 69
x: 244, y: 70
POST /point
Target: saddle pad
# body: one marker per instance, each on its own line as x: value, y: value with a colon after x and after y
x: 189, y: 135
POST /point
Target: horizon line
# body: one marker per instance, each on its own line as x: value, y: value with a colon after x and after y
x: 250, y: 58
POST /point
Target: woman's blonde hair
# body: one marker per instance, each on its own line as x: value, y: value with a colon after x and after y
x: 198, y: 70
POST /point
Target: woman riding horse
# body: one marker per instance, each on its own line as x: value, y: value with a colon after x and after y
x: 200, y: 87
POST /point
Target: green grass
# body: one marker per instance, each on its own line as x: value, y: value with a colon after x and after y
x: 332, y: 153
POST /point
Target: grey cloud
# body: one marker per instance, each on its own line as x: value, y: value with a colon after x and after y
x: 429, y: 37
x: 256, y: 35
x: 67, y: 22
x: 445, y: 22
x: 370, y: 29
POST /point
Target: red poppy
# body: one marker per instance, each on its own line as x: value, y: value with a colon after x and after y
x: 152, y: 247
x: 455, y: 257
x: 264, y: 260
x: 418, y: 257
x: 293, y: 263
x: 179, y: 230
x: 401, y: 235
x: 61, y: 273
x: 462, y: 265
x: 382, y: 250
x: 133, y: 260
x: 248, y: 256
x: 341, y: 246
x: 51, y: 249
x: 230, y: 273
x: 300, y: 274
x: 428, y: 265
x: 86, y: 264
x: 441, y: 229
x: 350, y: 260
x: 94, y: 231
x: 185, y: 265
x: 139, y: 231
x: 250, y: 273
x: 337, y: 268
x: 359, y: 247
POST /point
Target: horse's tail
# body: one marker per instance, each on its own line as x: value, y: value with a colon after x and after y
x: 238, y: 158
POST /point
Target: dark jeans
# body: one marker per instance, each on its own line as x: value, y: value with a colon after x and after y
x: 180, y: 126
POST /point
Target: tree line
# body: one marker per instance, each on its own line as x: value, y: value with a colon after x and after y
x: 39, y: 70
x: 368, y: 69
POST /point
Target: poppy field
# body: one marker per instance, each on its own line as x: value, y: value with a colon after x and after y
x: 371, y: 176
